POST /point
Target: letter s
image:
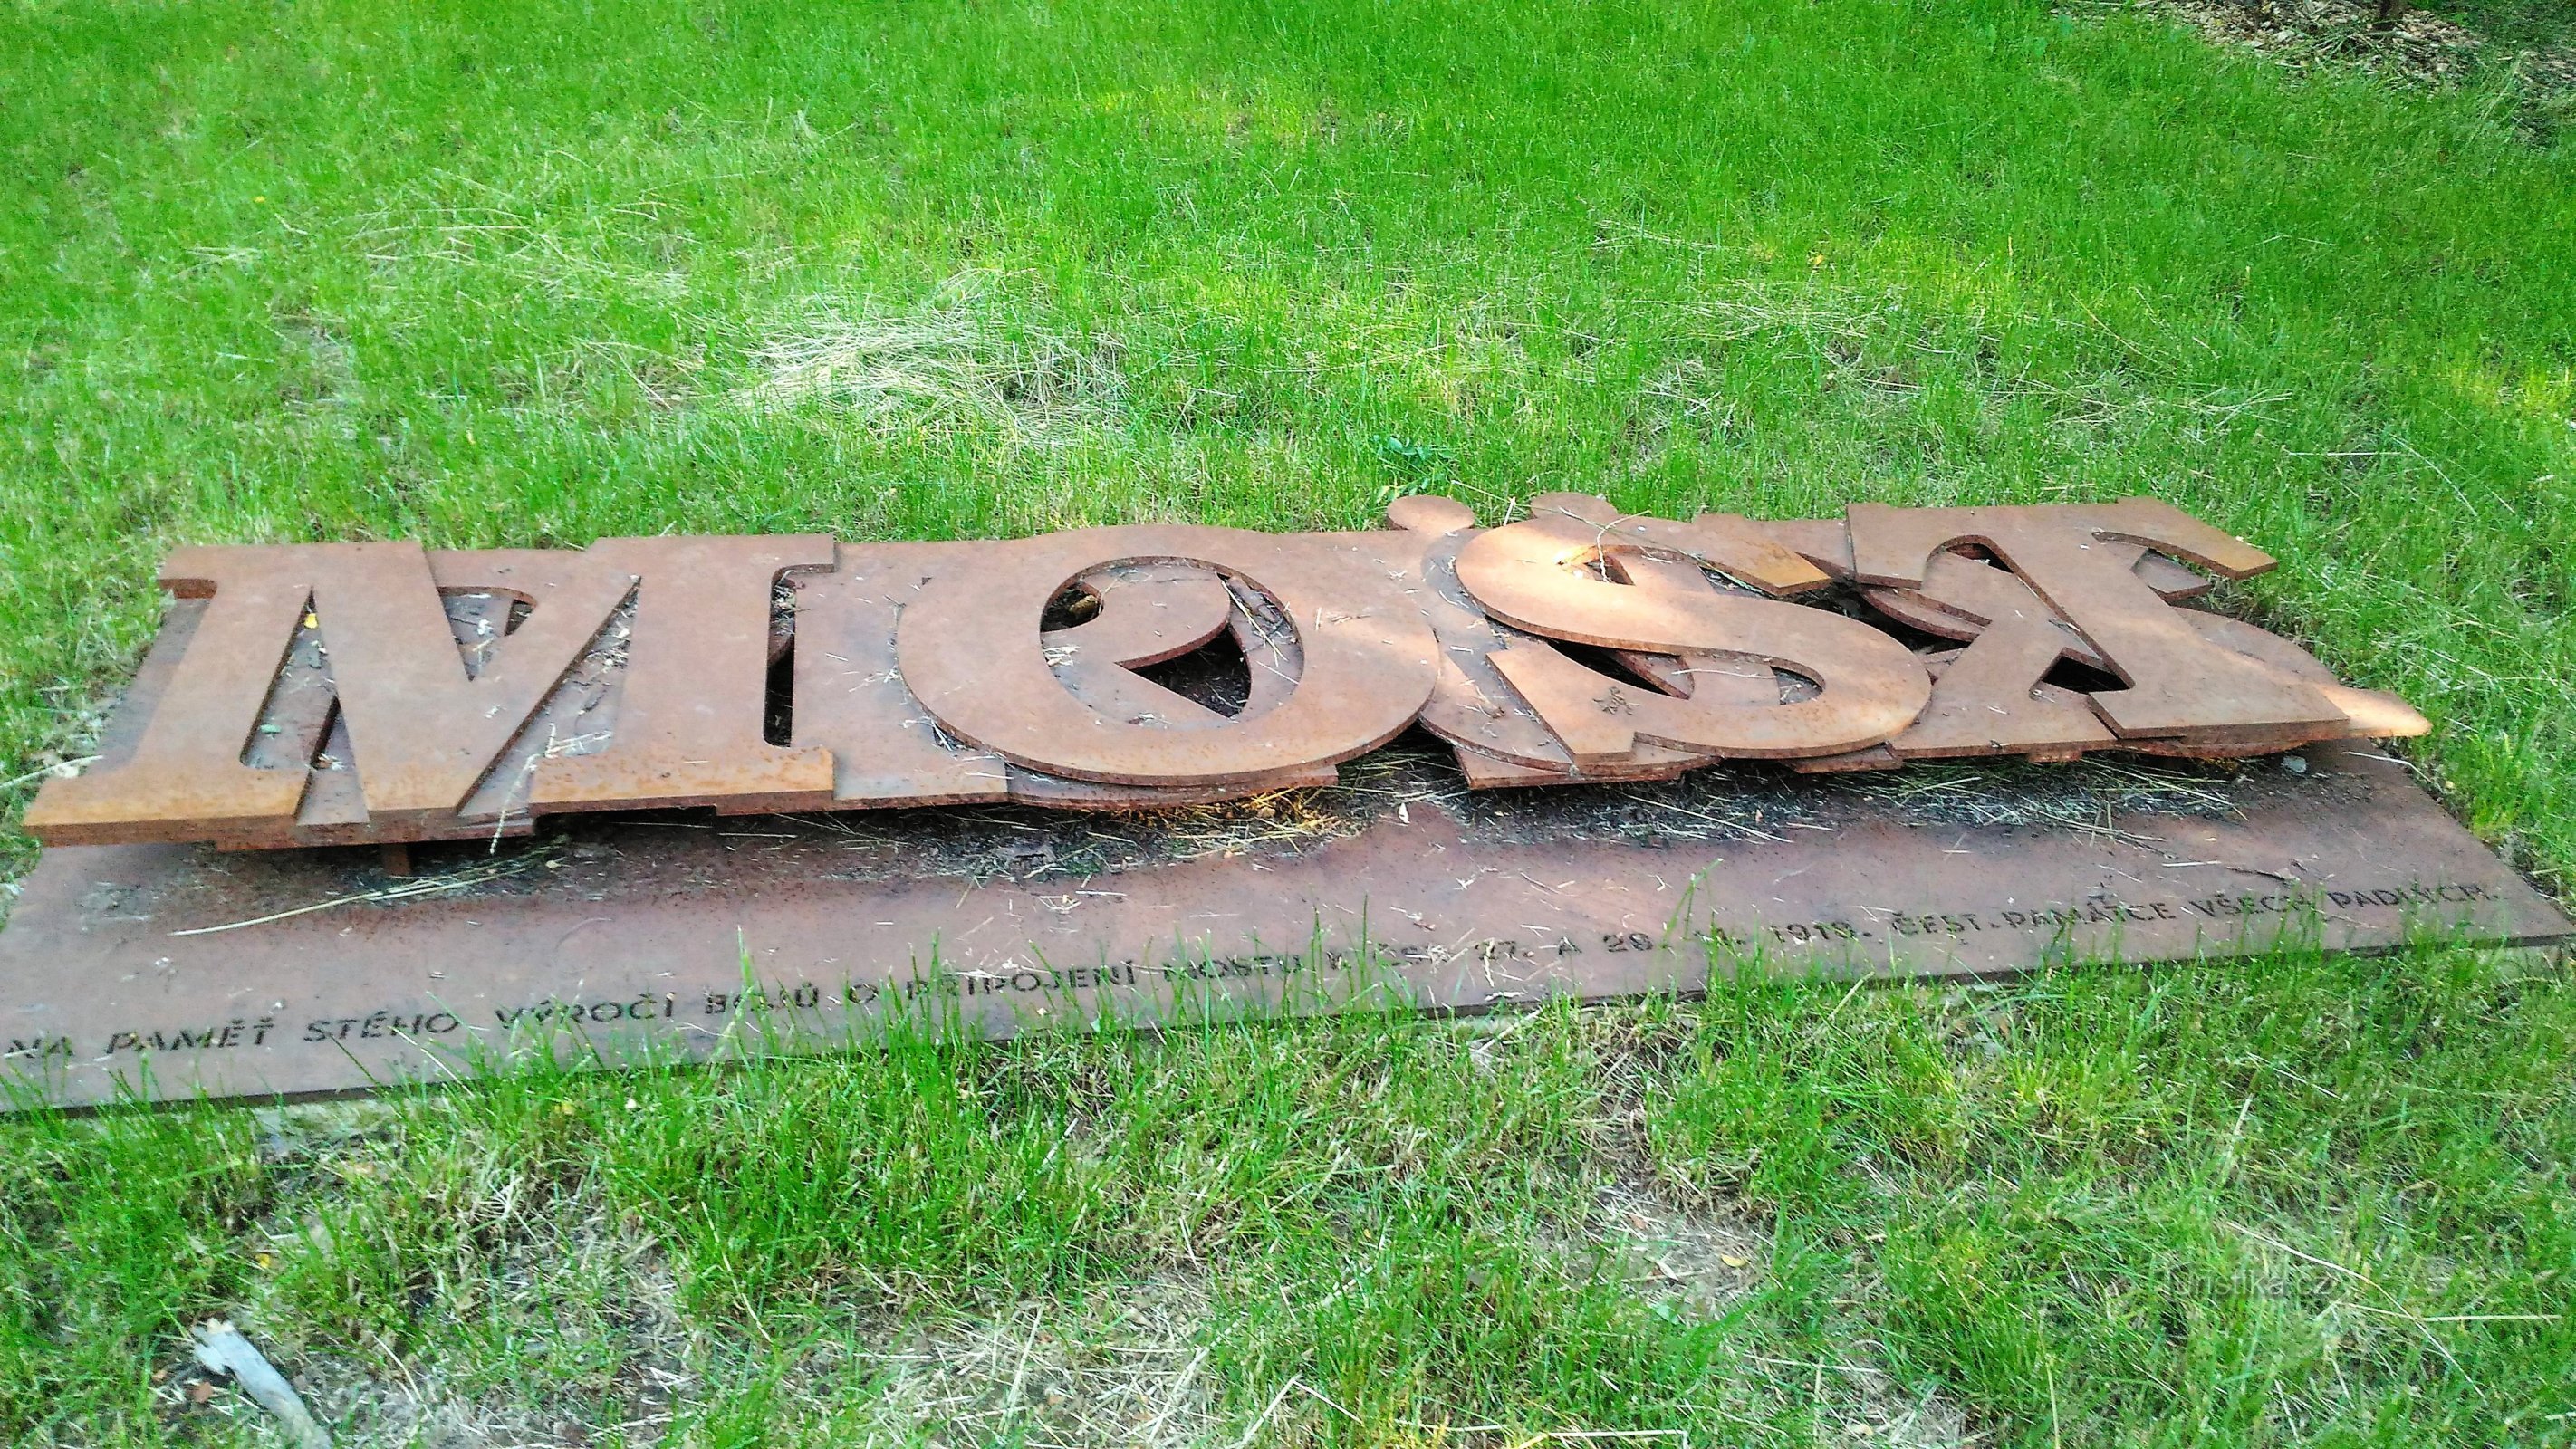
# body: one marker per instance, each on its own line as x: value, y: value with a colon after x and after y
x: 1559, y: 575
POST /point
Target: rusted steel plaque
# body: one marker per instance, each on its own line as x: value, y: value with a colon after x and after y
x: 338, y: 694
x: 169, y: 971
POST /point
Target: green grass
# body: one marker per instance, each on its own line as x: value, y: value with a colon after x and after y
x: 2310, y: 1200
x: 542, y: 273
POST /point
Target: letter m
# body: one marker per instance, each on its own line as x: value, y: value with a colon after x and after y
x: 426, y: 712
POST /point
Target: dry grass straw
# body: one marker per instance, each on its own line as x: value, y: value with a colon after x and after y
x: 964, y: 359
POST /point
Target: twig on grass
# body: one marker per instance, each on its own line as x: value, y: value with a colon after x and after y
x: 64, y: 769
x: 1548, y: 1435
x: 2450, y: 1317
x: 222, y: 1349
x: 1267, y: 1410
x: 2303, y: 1257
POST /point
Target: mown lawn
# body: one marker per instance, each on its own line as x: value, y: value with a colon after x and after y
x: 544, y: 272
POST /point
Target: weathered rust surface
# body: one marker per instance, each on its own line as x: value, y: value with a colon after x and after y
x: 970, y: 650
x: 346, y: 694
x: 1499, y: 736
x: 427, y: 716
x: 689, y: 724
x: 1144, y: 612
x: 183, y: 776
x: 1540, y: 576
x: 850, y: 699
x: 1029, y: 787
x: 2178, y: 684
x: 1988, y: 699
x: 619, y: 934
x: 1992, y: 699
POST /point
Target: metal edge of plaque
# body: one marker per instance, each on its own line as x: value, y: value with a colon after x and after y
x: 165, y: 973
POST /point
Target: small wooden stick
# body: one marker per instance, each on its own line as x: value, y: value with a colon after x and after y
x: 221, y: 1349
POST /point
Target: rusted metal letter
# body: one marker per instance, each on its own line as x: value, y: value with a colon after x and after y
x: 971, y: 650
x: 691, y: 703
x: 1562, y: 574
x: 2180, y: 685
x: 184, y: 778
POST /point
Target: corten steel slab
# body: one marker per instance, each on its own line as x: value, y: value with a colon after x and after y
x: 624, y: 933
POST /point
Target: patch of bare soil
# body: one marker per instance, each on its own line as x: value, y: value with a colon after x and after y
x: 1702, y: 1262
x: 1696, y: 1254
x: 2410, y: 46
x: 1120, y: 1371
x: 1124, y: 1370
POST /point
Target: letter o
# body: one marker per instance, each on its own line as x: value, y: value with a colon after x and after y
x: 969, y: 650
